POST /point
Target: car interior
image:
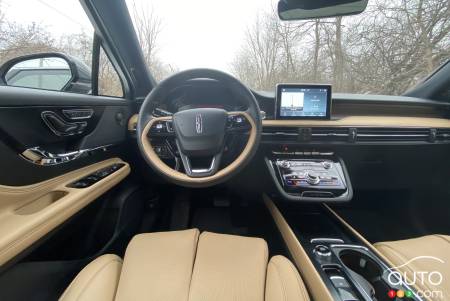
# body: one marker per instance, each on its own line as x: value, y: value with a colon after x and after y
x: 200, y: 187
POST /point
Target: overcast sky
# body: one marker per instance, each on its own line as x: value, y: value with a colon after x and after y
x: 196, y: 33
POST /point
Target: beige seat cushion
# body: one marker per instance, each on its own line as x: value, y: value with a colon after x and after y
x: 283, y: 281
x: 97, y: 281
x: 404, y: 254
x: 158, y: 266
x: 229, y: 267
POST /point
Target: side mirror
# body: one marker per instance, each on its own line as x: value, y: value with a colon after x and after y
x: 313, y: 9
x: 47, y: 71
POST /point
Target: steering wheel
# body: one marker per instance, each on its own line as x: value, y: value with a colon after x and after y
x: 199, y: 133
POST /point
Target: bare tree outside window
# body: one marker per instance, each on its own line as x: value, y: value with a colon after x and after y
x: 385, y: 50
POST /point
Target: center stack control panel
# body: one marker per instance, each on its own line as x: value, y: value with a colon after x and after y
x: 311, y: 178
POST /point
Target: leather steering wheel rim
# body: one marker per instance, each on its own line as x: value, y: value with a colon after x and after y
x: 159, y: 95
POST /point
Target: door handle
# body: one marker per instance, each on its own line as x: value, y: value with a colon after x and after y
x: 38, y: 156
x: 60, y: 127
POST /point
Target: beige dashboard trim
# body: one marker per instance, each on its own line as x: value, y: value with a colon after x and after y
x: 21, y: 228
x: 181, y: 177
x: 316, y: 287
x: 365, y: 121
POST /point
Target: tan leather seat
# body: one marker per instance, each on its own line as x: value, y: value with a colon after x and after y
x: 184, y: 265
x: 427, y: 254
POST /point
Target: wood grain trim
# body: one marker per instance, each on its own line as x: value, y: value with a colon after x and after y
x: 365, y: 121
x: 19, y: 229
x: 312, y: 279
x: 181, y: 177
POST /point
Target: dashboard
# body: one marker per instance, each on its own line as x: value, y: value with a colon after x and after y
x: 352, y: 119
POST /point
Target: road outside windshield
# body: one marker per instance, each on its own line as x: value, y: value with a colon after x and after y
x: 385, y: 50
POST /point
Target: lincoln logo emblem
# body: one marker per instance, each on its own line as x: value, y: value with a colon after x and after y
x: 198, y: 124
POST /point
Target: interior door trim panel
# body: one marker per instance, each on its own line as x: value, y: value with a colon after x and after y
x: 27, y: 213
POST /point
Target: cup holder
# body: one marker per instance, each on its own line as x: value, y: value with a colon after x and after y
x: 366, y: 272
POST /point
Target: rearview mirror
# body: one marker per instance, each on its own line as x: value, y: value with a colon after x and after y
x: 313, y: 9
x: 47, y: 71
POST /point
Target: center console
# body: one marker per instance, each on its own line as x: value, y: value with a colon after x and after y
x: 349, y: 267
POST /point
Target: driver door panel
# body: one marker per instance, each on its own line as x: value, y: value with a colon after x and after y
x: 35, y: 196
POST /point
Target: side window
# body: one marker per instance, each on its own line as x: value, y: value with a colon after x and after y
x: 51, y: 49
x: 109, y: 83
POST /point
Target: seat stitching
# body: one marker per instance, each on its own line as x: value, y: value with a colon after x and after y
x: 283, y: 290
x: 447, y: 240
x: 95, y: 275
x: 195, y: 250
x: 301, y: 286
x: 266, y: 268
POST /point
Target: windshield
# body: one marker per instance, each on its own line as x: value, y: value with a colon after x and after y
x: 385, y: 50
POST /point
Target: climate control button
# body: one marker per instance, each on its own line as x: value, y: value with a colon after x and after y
x: 312, y: 178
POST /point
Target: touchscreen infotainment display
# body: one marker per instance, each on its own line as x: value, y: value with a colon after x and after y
x: 303, y: 101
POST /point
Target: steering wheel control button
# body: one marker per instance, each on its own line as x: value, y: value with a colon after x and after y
x: 162, y: 128
x: 237, y: 122
x: 322, y: 250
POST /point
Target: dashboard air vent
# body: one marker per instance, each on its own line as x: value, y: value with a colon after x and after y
x: 281, y: 134
x: 443, y: 135
x: 393, y: 135
x: 324, y: 134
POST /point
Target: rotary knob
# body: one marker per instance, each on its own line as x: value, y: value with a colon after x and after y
x: 326, y: 165
x: 312, y: 178
x: 322, y: 250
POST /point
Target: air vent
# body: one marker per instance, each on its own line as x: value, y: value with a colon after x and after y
x: 330, y: 134
x: 393, y: 135
x: 443, y: 135
x: 282, y: 134
x: 355, y: 135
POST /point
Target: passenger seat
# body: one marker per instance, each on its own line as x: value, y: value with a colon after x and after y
x: 429, y: 254
x: 184, y: 265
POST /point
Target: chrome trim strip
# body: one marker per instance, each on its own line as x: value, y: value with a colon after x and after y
x: 38, y: 156
x: 89, y: 113
x: 324, y: 239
